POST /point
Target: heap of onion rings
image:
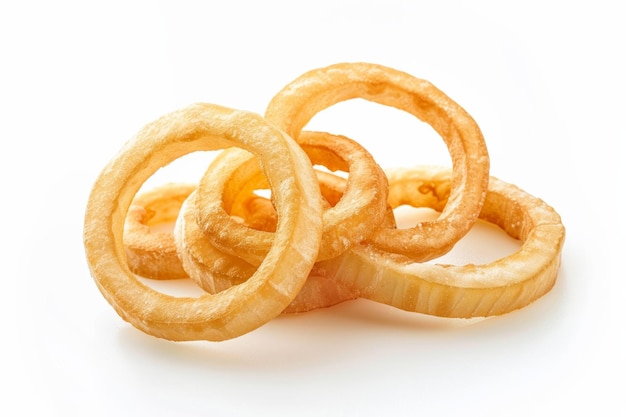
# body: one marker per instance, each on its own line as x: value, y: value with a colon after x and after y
x: 214, y: 270
x: 365, y: 197
x: 446, y: 290
x: 318, y: 239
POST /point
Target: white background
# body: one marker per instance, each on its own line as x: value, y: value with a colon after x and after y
x: 542, y: 78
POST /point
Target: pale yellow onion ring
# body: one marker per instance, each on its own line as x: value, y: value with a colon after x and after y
x: 241, y: 308
x: 214, y: 270
x: 462, y: 291
x: 296, y: 104
x: 152, y: 253
x: 352, y: 220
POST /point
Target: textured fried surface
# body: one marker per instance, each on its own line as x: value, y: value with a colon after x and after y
x: 239, y: 309
x: 352, y: 219
x: 315, y: 239
x: 296, y: 104
x: 469, y: 290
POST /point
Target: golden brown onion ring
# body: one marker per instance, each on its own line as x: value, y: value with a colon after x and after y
x: 353, y: 219
x: 296, y: 104
x: 214, y: 270
x: 152, y: 253
x: 462, y: 291
x: 241, y: 308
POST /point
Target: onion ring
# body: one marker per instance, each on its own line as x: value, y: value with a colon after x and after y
x: 353, y: 219
x: 152, y: 254
x: 241, y: 308
x: 214, y: 270
x: 464, y: 291
x: 155, y: 255
x: 296, y: 104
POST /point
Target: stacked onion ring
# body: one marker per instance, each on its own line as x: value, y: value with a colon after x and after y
x: 319, y: 238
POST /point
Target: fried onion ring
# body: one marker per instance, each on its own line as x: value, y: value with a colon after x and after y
x: 241, y: 308
x: 155, y: 255
x: 465, y: 291
x: 353, y: 219
x: 214, y: 270
x: 296, y: 104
